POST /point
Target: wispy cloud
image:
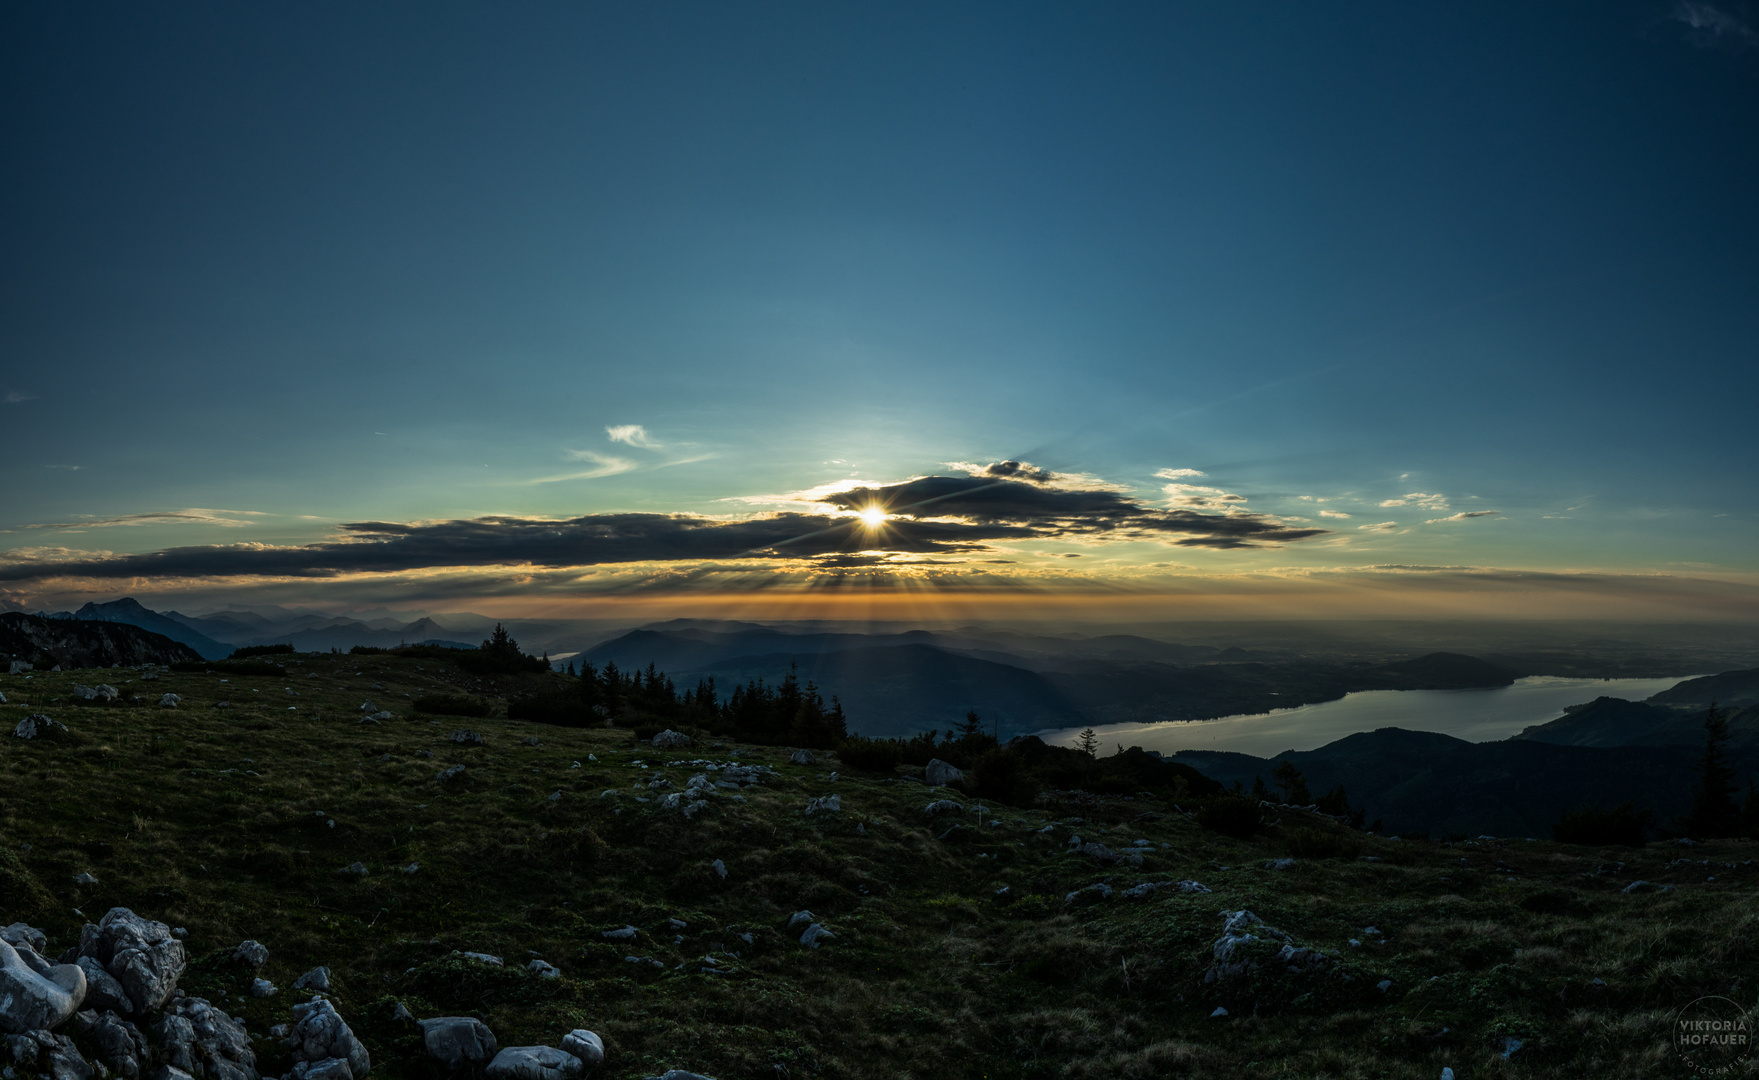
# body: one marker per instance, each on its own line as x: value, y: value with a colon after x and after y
x: 1463, y: 516
x: 229, y: 519
x: 1713, y: 26
x: 69, y: 468
x: 603, y: 465
x: 1198, y: 496
x: 13, y: 397
x: 1425, y: 500
x: 1379, y: 526
x: 1333, y: 514
x: 1181, y: 474
x: 633, y: 435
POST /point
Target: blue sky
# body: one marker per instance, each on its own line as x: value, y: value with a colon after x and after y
x: 272, y: 271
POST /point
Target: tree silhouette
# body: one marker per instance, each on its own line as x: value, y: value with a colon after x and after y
x: 1089, y: 743
x: 1714, y: 812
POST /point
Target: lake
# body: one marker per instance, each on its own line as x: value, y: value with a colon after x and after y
x: 1473, y: 715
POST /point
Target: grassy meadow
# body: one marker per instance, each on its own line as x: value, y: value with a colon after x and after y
x: 239, y: 823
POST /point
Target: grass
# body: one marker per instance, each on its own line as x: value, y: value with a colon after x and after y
x: 234, y: 823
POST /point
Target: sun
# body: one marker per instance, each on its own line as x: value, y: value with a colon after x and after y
x: 873, y: 517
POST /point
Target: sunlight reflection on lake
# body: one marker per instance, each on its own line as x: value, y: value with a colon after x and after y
x: 1473, y: 715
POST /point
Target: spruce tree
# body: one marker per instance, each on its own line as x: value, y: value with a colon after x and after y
x: 1089, y: 743
x: 1714, y: 812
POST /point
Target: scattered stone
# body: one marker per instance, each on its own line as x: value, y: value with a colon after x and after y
x: 824, y: 803
x: 671, y: 740
x: 531, y: 740
x: 327, y: 1069
x: 1646, y: 886
x: 1280, y: 864
x: 1004, y: 895
x: 956, y: 835
x: 1509, y: 1045
x: 1144, y: 890
x: 102, y: 692
x: 627, y: 933
x: 84, y: 879
x: 402, y: 1015
x: 1088, y: 894
x: 447, y: 774
x: 586, y: 1046
x: 1193, y: 886
x: 1219, y: 1013
x: 543, y: 969
x: 466, y: 738
x: 262, y: 988
x: 534, y: 1063
x: 354, y: 869
x: 367, y: 706
x: 483, y: 957
x: 410, y: 869
x: 802, y: 757
x: 36, y: 996
x: 815, y: 934
x: 1384, y: 985
x: 280, y: 1031
x: 940, y: 774
x: 798, y: 918
x: 317, y: 980
x: 38, y: 725
x: 319, y: 1033
x: 251, y: 954
x: 943, y: 806
x: 169, y: 701
x: 720, y: 869
x: 457, y: 1041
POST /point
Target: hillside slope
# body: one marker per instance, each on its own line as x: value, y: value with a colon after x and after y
x: 76, y: 643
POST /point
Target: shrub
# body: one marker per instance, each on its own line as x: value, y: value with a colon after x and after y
x: 1594, y: 826
x: 871, y: 755
x: 563, y: 709
x: 1229, y: 815
x: 452, y: 705
x: 1305, y: 843
x: 261, y: 650
x: 1002, y: 776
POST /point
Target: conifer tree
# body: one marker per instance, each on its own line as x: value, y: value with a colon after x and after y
x: 1714, y: 812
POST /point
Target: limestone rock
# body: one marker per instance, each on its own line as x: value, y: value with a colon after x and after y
x: 534, y: 1063
x: 103, y: 992
x: 119, y: 1044
x: 262, y: 988
x: 543, y: 969
x: 940, y: 774
x: 586, y: 1046
x: 626, y: 933
x: 251, y: 954
x: 37, y: 726
x: 319, y: 1033
x: 204, y: 1042
x: 815, y: 934
x: 139, y: 954
x: 20, y: 934
x: 316, y: 980
x: 327, y: 1069
x: 466, y: 738
x: 448, y: 774
x: 943, y: 806
x: 824, y: 803
x: 457, y: 1041
x: 801, y: 757
x: 671, y: 740
x: 33, y: 1001
x: 169, y: 701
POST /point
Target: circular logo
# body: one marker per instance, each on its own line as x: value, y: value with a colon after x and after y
x: 1713, y: 1035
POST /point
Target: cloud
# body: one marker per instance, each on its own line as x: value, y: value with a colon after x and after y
x: 1180, y: 474
x: 944, y: 515
x: 1710, y: 26
x: 69, y: 468
x: 194, y: 515
x: 1379, y: 526
x: 605, y: 465
x: 1463, y: 516
x: 1333, y: 514
x: 1198, y: 496
x: 1418, y: 498
x: 1025, y: 470
x: 633, y: 434
x: 13, y: 397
